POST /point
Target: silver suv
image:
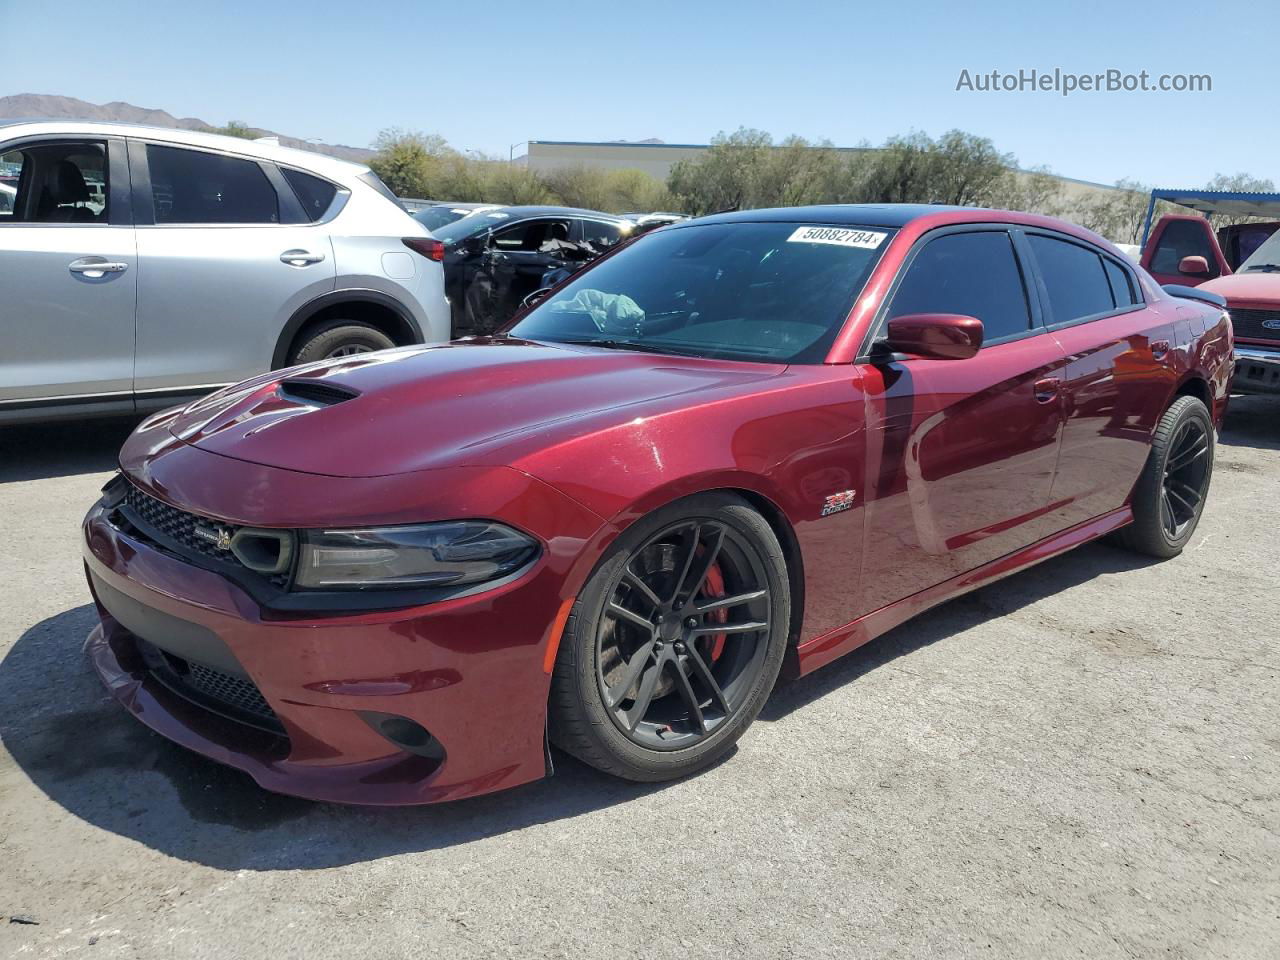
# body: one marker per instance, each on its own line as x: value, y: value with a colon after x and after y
x: 143, y: 266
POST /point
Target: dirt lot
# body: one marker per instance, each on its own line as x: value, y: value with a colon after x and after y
x: 1082, y: 760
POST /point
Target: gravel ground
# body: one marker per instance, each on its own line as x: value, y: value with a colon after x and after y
x: 1082, y: 760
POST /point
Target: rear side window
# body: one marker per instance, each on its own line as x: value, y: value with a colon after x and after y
x: 973, y: 274
x: 1182, y: 238
x: 188, y: 186
x: 1121, y: 285
x: 1074, y: 278
x: 314, y: 194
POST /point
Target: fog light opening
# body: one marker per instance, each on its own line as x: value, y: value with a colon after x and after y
x: 408, y: 735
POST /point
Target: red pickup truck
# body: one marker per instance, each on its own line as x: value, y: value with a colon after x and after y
x: 1185, y: 250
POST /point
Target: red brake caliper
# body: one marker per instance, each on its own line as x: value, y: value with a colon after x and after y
x: 713, y: 587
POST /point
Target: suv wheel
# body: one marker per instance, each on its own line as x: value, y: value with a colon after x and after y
x: 339, y: 338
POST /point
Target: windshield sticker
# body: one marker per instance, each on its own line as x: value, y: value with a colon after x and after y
x: 866, y: 239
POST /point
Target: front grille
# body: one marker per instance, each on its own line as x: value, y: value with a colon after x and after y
x: 1249, y: 323
x: 233, y: 691
x: 236, y: 698
x: 181, y: 531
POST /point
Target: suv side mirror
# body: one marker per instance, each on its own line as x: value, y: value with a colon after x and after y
x: 938, y: 336
x: 1193, y: 266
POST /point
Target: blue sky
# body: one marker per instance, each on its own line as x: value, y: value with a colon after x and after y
x: 486, y: 75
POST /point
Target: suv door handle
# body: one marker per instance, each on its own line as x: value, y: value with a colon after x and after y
x: 96, y: 267
x: 1047, y: 389
x: 300, y: 258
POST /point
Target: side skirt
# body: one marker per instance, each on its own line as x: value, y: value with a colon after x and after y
x: 836, y: 643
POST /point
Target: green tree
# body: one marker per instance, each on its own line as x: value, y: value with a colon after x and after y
x: 410, y: 163
x: 235, y: 128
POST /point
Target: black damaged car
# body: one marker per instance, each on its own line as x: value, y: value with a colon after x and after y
x: 495, y: 258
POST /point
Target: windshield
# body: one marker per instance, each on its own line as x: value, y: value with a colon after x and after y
x: 469, y: 226
x: 1266, y: 257
x: 771, y: 292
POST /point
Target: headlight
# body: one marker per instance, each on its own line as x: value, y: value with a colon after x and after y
x: 453, y: 554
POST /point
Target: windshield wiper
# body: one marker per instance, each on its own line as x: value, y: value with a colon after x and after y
x: 1265, y: 267
x: 611, y: 344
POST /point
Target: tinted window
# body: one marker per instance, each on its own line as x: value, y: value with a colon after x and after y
x: 973, y: 274
x: 314, y: 194
x: 1121, y: 285
x: 764, y: 291
x: 531, y: 236
x: 600, y: 237
x: 193, y: 187
x: 1182, y: 238
x: 54, y: 183
x: 1074, y: 278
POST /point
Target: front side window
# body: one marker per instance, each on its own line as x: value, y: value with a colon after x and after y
x: 1183, y: 238
x: 58, y: 182
x: 189, y: 186
x: 768, y: 292
x: 1074, y: 278
x: 531, y: 236
x: 971, y: 274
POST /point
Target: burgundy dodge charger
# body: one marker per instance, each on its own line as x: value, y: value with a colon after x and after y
x: 734, y: 448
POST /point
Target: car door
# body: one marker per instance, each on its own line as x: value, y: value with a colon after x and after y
x: 227, y: 256
x: 514, y: 260
x: 961, y: 453
x: 68, y: 272
x: 1174, y: 237
x: 1117, y: 371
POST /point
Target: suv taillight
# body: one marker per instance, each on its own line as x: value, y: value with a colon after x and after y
x: 431, y: 249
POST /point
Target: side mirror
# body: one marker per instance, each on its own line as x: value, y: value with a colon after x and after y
x: 535, y: 298
x: 1193, y: 266
x: 938, y: 336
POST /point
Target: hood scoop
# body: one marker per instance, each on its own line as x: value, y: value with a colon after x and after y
x: 313, y: 393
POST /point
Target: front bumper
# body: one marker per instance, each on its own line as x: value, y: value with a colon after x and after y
x: 1257, y: 369
x: 470, y: 671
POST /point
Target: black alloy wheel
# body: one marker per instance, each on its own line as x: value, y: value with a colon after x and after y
x: 675, y: 641
x: 684, y: 634
x: 1170, y: 494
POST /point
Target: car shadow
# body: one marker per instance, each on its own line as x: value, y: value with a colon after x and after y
x: 955, y: 616
x: 88, y: 755
x: 85, y: 753
x: 1252, y: 421
x: 39, y: 451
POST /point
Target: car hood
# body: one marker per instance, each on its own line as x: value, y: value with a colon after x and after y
x: 1256, y: 286
x: 420, y: 408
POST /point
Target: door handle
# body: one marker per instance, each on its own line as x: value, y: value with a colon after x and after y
x: 300, y: 258
x: 96, y: 267
x: 1047, y: 389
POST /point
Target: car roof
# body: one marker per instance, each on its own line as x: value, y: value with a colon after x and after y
x: 319, y: 162
x: 548, y: 211
x: 853, y: 214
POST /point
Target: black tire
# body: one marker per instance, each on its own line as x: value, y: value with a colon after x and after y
x: 338, y: 338
x: 730, y: 543
x: 1170, y: 494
